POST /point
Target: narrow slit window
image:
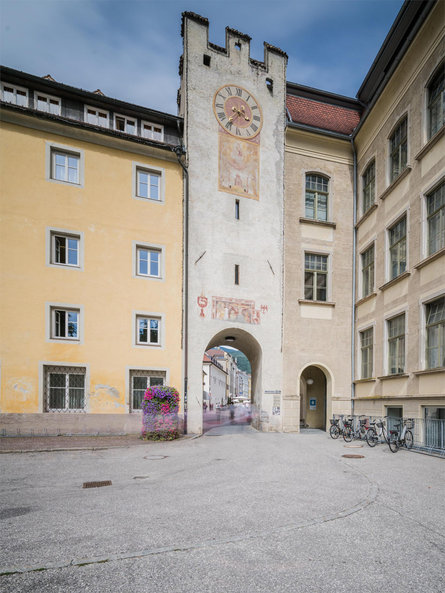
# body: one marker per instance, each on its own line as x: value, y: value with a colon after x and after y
x: 237, y: 209
x: 236, y: 274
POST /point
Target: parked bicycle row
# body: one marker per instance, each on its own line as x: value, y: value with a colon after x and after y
x: 395, y: 432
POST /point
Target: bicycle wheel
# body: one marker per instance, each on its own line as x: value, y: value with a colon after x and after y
x: 394, y: 442
x: 409, y: 439
x: 347, y: 434
x: 371, y: 437
x: 334, y: 431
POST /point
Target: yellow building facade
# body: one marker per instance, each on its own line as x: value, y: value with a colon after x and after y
x: 91, y: 247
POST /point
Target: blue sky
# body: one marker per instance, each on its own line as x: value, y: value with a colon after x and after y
x: 130, y: 49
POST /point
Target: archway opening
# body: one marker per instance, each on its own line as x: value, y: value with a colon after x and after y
x: 313, y: 398
x: 231, y: 371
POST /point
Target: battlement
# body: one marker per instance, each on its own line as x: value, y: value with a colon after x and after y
x: 236, y: 43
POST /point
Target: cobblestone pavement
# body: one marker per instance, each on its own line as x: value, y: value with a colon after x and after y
x: 234, y: 511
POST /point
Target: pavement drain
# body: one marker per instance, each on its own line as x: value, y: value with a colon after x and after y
x: 96, y: 484
x: 140, y: 477
x: 353, y: 446
x: 352, y: 456
x: 155, y: 457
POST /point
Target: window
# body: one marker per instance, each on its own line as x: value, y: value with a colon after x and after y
x: 96, y: 117
x: 47, y: 103
x: 65, y: 166
x: 65, y: 249
x: 236, y: 274
x: 64, y: 388
x: 368, y: 187
x: 435, y: 333
x: 152, y: 131
x: 366, y: 350
x: 316, y: 197
x: 237, y: 212
x: 65, y: 324
x: 148, y: 331
x: 315, y: 277
x: 436, y: 101
x: 15, y: 95
x: 398, y: 146
x: 397, y: 248
x: 368, y: 271
x: 148, y: 262
x: 148, y: 184
x: 125, y: 124
x: 140, y: 381
x: 435, y: 203
x: 396, y: 345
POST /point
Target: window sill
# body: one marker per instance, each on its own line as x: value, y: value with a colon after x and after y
x: 318, y: 222
x: 430, y: 258
x: 366, y: 215
x: 429, y: 145
x: 396, y: 182
x: 430, y: 371
x: 309, y: 302
x: 369, y: 380
x: 394, y: 376
x: 366, y: 299
x: 395, y: 280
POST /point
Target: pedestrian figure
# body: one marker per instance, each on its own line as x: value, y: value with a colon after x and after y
x: 232, y: 412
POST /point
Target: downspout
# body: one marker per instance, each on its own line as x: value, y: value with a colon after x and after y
x: 180, y: 151
x: 354, y: 261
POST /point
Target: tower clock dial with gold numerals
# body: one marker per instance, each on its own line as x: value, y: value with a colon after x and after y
x: 237, y: 111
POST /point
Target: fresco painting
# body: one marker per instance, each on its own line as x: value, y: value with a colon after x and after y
x: 239, y: 162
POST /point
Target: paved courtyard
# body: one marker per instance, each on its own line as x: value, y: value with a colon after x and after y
x: 233, y: 511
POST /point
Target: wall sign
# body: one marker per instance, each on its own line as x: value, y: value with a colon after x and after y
x: 313, y: 403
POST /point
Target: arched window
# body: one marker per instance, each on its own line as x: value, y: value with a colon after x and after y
x: 436, y: 101
x: 316, y: 201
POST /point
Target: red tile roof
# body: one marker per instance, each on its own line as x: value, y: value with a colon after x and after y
x: 322, y: 115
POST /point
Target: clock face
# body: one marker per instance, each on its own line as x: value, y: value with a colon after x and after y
x: 237, y: 111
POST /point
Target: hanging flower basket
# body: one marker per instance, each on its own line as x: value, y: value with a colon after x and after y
x: 160, y: 419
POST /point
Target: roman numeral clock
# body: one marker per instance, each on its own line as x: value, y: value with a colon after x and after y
x: 240, y: 118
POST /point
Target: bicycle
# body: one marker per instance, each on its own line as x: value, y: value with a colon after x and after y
x: 406, y: 438
x: 337, y: 427
x: 377, y: 431
x: 350, y: 432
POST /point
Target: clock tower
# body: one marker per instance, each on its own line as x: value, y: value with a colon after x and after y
x: 234, y: 122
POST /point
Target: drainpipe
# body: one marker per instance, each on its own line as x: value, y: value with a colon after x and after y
x: 180, y: 151
x: 354, y: 261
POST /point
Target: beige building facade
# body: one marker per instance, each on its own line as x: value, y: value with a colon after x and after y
x: 400, y: 264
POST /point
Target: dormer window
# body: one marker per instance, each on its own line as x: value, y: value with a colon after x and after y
x: 16, y: 95
x: 125, y: 124
x: 96, y: 117
x: 152, y: 131
x: 47, y: 103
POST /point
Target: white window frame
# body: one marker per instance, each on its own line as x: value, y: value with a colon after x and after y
x: 423, y: 335
x: 389, y: 317
x: 328, y: 194
x: 51, y: 233
x: 15, y: 89
x: 399, y: 121
x: 424, y: 213
x: 358, y: 372
x: 137, y: 315
x: 369, y: 163
x: 51, y: 308
x: 137, y: 246
x: 146, y: 168
x: 51, y: 149
x: 48, y: 98
x: 126, y: 120
x: 103, y: 124
x: 328, y: 274
x: 391, y: 225
x: 62, y: 365
x: 434, y: 73
x: 362, y: 252
x: 149, y: 136
x: 141, y: 371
